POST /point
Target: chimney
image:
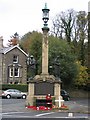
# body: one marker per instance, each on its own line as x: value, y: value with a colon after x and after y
x: 1, y: 42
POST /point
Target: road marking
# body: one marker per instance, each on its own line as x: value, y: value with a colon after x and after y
x: 11, y: 113
x: 44, y: 114
x: 38, y: 115
x: 19, y: 116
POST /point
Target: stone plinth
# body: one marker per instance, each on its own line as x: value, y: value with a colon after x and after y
x: 42, y: 85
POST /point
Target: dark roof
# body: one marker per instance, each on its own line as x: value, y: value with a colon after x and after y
x: 5, y: 50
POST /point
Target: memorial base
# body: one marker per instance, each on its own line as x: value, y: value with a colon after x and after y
x: 39, y: 87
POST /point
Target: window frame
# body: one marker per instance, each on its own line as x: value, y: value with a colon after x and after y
x: 12, y: 72
x: 15, y: 58
x: 18, y: 71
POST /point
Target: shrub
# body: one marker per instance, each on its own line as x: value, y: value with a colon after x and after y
x: 21, y: 87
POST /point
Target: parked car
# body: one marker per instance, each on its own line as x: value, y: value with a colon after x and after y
x: 65, y: 95
x: 13, y: 93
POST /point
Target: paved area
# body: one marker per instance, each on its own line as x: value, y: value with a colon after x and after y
x: 79, y: 106
x: 15, y: 108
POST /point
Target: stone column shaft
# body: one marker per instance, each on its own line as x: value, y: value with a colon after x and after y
x: 45, y: 52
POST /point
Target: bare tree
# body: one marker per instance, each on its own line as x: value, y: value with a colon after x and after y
x: 63, y: 25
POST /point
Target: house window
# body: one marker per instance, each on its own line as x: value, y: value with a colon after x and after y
x: 11, y: 72
x: 15, y: 59
x: 14, y: 72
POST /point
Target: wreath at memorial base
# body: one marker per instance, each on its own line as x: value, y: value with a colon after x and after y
x: 39, y: 108
x: 50, y: 105
x: 63, y: 107
x: 54, y: 107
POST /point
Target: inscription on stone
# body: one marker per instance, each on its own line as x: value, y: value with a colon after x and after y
x: 44, y: 88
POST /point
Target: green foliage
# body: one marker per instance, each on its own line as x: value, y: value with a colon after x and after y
x: 72, y: 26
x: 21, y: 87
x: 25, y: 42
x: 66, y: 59
x: 59, y: 49
x: 36, y: 49
x: 82, y: 76
x: 32, y: 44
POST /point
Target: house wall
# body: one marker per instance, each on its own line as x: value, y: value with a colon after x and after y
x: 1, y: 47
x: 1, y: 41
x: 0, y: 68
x: 8, y: 60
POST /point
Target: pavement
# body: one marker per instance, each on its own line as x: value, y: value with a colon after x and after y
x: 77, y: 108
x: 15, y: 108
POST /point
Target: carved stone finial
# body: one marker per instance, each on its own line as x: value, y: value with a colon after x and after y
x: 45, y: 6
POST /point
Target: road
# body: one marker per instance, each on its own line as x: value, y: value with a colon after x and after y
x: 15, y: 108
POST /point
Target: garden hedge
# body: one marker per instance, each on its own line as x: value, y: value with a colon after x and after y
x: 21, y: 87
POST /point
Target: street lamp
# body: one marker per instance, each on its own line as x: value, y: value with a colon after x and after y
x: 31, y: 66
x: 45, y: 16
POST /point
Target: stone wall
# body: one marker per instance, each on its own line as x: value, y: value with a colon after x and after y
x: 0, y: 68
x: 8, y: 60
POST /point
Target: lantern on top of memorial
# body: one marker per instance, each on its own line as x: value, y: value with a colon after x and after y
x: 45, y: 16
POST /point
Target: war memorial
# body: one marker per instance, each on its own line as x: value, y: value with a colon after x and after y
x: 44, y: 89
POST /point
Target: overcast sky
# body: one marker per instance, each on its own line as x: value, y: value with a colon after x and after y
x: 22, y: 16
